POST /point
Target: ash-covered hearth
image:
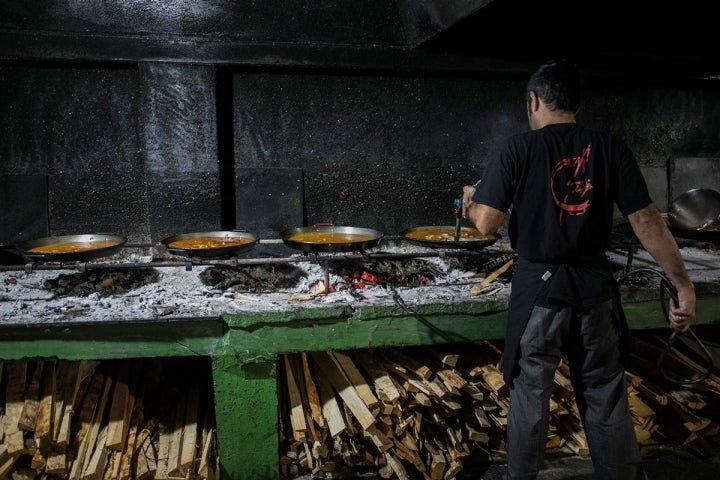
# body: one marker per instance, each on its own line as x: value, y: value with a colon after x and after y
x: 253, y: 278
x: 145, y: 288
x: 104, y: 282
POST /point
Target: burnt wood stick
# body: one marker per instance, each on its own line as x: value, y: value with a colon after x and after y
x: 477, y: 289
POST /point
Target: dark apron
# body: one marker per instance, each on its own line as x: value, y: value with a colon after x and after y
x: 576, y: 283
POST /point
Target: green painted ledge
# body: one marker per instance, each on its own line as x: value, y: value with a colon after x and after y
x: 245, y: 350
x: 252, y: 337
x: 345, y: 328
x: 197, y: 337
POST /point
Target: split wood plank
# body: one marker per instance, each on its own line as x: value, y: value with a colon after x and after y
x: 38, y: 461
x: 31, y: 403
x: 395, y: 356
x: 452, y: 379
x: 206, y: 467
x: 93, y: 463
x: 120, y: 409
x: 447, y: 359
x: 145, y: 453
x: 43, y: 434
x: 397, y: 466
x: 98, y: 458
x: 344, y: 388
x: 311, y: 390
x: 190, y: 429
x: 67, y: 387
x: 124, y: 472
x: 639, y: 408
x: 494, y: 379
x: 173, y: 467
x: 56, y: 464
x: 438, y: 465
x: 356, y: 378
x: 477, y: 289
x: 16, y: 376
x: 84, y: 424
x: 384, y: 385
x: 114, y: 463
x: 295, y: 403
x: 165, y: 434
x: 330, y: 408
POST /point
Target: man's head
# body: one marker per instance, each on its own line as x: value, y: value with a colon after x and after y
x: 557, y: 86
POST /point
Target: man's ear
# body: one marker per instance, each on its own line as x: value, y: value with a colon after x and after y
x: 533, y: 101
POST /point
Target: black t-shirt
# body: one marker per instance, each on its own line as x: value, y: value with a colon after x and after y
x: 561, y: 183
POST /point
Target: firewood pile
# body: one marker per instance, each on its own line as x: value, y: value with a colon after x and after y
x: 398, y: 412
x: 114, y: 420
x: 430, y: 411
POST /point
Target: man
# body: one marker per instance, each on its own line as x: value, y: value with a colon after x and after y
x: 561, y: 180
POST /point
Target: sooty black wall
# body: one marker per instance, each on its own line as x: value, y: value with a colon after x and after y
x: 163, y: 148
x: 148, y: 119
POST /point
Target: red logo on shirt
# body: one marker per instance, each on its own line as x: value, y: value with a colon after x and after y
x: 570, y: 186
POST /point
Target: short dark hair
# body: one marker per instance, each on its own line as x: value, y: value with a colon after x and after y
x: 557, y: 83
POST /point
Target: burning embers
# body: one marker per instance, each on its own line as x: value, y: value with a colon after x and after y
x: 359, y: 275
x: 330, y: 277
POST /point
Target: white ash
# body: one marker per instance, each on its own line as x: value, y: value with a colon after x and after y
x: 179, y: 293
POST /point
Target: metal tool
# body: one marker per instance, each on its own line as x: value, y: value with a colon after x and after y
x: 667, y: 288
x: 458, y: 218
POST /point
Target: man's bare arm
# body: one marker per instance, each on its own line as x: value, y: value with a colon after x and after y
x: 486, y: 219
x: 655, y: 237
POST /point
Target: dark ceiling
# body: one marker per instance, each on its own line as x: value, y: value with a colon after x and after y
x: 669, y: 37
x: 658, y: 39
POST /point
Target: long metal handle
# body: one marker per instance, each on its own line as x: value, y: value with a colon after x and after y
x: 458, y: 218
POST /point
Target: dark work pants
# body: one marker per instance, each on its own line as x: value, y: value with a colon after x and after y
x: 591, y: 346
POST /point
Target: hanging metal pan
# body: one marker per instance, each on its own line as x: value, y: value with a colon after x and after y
x: 331, y: 238
x: 67, y: 248
x: 695, y: 209
x: 444, y: 237
x: 213, y: 244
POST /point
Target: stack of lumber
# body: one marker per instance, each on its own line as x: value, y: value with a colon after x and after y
x: 431, y: 410
x: 397, y: 412
x: 112, y: 420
